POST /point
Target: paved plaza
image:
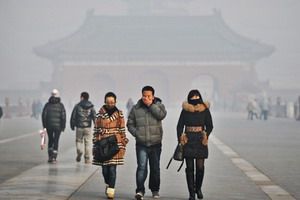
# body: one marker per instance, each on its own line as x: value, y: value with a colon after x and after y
x: 247, y: 160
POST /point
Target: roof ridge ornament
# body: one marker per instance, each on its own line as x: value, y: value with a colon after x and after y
x: 90, y: 12
x: 217, y: 12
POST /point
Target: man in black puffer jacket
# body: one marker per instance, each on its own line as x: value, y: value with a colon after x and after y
x: 82, y: 116
x: 54, y: 120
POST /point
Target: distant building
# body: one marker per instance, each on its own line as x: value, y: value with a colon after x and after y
x: 173, y: 53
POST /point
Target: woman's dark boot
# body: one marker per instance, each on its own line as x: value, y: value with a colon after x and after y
x: 190, y: 179
x: 50, y: 155
x: 199, y: 180
x: 54, y: 156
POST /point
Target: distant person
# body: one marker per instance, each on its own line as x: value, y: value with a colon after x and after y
x: 196, y: 122
x: 145, y: 124
x: 109, y: 122
x: 54, y: 120
x: 265, y: 107
x: 252, y: 108
x: 298, y: 110
x: 39, y: 108
x: 1, y: 112
x: 129, y: 105
x: 34, y: 109
x: 83, y: 115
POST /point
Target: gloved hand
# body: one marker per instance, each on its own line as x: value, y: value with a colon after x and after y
x: 183, y: 139
x: 204, y: 138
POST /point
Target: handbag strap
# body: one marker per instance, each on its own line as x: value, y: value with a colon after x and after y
x: 169, y: 162
x: 179, y: 166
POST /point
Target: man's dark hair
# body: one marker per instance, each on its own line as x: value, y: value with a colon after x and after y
x: 110, y: 94
x: 148, y: 88
x: 85, y: 95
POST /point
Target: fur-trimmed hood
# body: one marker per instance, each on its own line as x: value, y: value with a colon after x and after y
x: 197, y: 108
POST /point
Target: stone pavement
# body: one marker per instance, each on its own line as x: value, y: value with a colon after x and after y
x: 225, y: 178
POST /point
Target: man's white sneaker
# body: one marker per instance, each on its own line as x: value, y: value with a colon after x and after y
x: 155, y: 195
x: 139, y: 196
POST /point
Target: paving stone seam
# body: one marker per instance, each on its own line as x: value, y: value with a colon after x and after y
x: 18, y: 137
x: 274, y: 191
x: 83, y: 183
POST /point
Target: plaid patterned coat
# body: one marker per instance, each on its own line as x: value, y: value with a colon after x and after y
x: 106, y: 126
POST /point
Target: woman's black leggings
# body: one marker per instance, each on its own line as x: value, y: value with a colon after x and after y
x: 190, y: 163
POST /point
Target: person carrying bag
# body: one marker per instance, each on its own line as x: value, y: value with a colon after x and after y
x: 196, y: 122
x: 178, y: 153
x: 109, y: 141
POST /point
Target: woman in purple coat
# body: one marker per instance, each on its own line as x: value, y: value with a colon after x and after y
x: 196, y: 122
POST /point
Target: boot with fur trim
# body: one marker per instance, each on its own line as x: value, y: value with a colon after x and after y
x: 110, y: 193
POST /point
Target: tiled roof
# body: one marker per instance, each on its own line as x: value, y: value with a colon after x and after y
x: 147, y: 37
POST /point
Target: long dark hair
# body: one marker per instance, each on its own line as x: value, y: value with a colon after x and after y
x: 195, y: 93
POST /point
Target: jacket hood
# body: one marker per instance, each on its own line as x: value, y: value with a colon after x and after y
x: 85, y: 104
x: 54, y: 100
x: 197, y: 108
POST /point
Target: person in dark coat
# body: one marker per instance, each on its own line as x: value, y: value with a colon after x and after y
x: 83, y: 115
x: 54, y: 120
x: 193, y: 129
x: 1, y: 112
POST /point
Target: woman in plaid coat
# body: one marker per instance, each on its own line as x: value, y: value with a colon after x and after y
x: 110, y: 121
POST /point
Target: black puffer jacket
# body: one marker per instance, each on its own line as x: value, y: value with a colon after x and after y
x: 54, y: 115
x: 83, y: 114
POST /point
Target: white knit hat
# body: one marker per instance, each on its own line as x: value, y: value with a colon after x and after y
x: 55, y: 93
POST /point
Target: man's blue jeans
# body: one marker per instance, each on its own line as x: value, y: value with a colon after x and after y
x: 144, y: 154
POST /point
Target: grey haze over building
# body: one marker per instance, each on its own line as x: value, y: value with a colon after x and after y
x: 31, y: 23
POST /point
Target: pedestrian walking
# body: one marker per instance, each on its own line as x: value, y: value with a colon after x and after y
x: 129, y: 106
x: 34, y: 109
x: 109, y: 122
x: 82, y: 117
x: 264, y: 107
x: 252, y: 108
x: 39, y: 108
x: 1, y: 113
x: 54, y: 120
x: 196, y: 122
x: 145, y: 124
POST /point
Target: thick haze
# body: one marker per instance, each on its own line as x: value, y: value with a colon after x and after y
x: 25, y: 24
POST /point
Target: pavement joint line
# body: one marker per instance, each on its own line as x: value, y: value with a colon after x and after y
x: 83, y: 183
x: 18, y: 137
x: 274, y: 191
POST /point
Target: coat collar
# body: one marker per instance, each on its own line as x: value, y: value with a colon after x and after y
x: 198, y: 108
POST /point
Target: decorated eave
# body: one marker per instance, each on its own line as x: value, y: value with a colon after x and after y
x: 154, y: 38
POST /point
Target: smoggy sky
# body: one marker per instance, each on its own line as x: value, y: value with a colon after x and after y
x: 25, y: 24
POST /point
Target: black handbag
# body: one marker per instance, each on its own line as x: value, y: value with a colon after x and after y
x: 178, y: 155
x: 106, y: 148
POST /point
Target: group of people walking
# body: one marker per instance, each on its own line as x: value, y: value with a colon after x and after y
x: 258, y: 110
x: 145, y: 124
